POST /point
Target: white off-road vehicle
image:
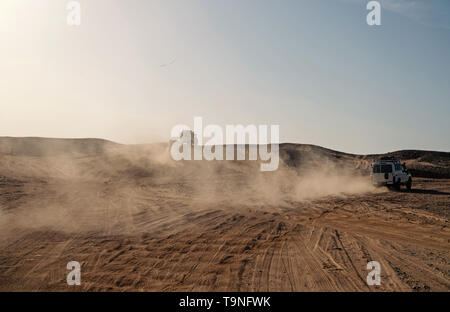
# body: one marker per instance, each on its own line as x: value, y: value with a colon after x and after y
x: 390, y: 172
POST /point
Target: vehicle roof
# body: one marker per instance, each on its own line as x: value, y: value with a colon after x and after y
x: 383, y: 161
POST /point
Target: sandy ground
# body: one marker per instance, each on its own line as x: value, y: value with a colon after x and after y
x: 137, y: 228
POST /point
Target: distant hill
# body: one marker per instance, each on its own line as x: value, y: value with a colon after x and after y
x: 33, y: 146
x: 429, y: 164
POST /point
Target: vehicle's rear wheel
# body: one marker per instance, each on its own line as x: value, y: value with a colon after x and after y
x: 409, y: 184
x: 397, y: 185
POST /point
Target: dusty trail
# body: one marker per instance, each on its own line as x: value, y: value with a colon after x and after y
x: 143, y: 230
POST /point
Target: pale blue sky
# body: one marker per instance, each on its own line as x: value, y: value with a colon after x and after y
x: 135, y: 68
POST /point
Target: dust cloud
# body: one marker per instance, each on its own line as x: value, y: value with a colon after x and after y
x: 91, y: 186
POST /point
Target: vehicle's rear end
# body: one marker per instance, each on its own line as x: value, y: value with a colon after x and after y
x: 382, y: 173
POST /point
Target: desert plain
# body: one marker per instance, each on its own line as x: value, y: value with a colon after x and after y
x: 138, y: 221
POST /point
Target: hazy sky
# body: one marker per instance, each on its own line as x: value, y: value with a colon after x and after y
x: 135, y: 68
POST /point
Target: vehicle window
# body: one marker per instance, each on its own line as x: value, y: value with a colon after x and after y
x: 376, y: 169
x: 398, y: 167
x: 386, y: 168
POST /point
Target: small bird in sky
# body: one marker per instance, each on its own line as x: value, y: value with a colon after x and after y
x: 167, y: 64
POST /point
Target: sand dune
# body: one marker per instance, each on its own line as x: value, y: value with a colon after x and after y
x: 137, y: 220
